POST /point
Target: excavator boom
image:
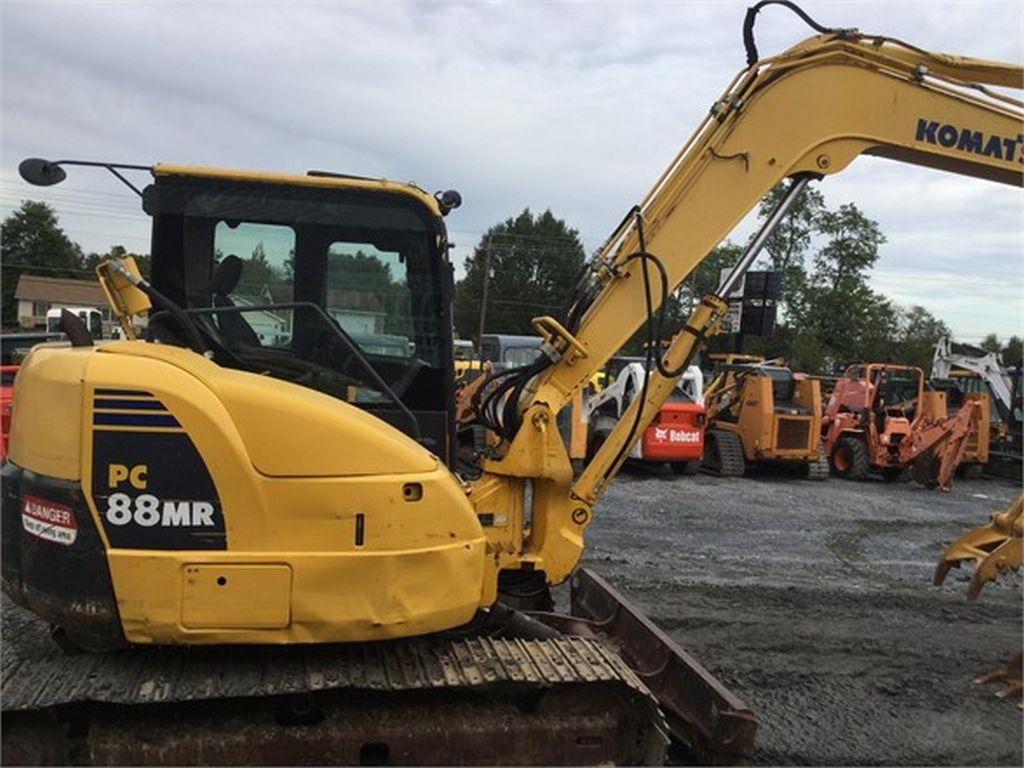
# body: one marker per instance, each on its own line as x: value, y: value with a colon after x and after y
x: 804, y: 114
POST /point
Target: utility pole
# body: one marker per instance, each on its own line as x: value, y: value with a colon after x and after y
x: 483, y: 298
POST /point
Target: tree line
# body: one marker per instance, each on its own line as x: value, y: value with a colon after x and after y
x: 828, y: 313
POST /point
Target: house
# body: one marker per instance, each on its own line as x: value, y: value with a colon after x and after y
x: 272, y: 328
x: 36, y: 295
x: 358, y: 312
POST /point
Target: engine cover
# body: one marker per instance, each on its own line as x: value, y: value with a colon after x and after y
x: 218, y: 506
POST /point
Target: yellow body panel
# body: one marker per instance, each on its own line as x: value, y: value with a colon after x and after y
x: 51, y: 437
x: 264, y: 411
x: 230, y: 596
x: 415, y: 565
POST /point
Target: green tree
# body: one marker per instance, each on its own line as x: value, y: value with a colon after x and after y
x: 92, y: 260
x: 787, y: 248
x: 846, y: 320
x: 534, y: 264
x: 1013, y: 351
x: 32, y: 241
x: 991, y: 343
x: 919, y: 331
x: 258, y: 273
x: 364, y: 282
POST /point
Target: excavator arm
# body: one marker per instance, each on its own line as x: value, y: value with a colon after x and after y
x: 802, y: 115
x: 986, y: 365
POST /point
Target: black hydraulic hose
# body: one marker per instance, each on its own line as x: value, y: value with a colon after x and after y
x: 486, y: 405
x: 511, y: 418
x: 644, y: 257
x: 748, y: 25
x: 628, y: 443
x: 184, y: 321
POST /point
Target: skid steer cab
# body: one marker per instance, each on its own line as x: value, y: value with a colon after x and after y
x: 762, y: 412
x: 675, y: 435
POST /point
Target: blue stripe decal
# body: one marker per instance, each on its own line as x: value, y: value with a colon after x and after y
x: 130, y: 405
x: 124, y: 392
x: 134, y: 420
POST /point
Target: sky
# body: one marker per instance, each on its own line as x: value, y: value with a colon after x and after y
x: 576, y: 107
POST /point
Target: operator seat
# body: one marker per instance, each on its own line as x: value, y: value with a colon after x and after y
x: 233, y: 326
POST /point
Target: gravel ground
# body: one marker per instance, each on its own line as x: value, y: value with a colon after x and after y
x: 813, y: 601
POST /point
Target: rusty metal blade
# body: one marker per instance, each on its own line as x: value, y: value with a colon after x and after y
x: 700, y: 710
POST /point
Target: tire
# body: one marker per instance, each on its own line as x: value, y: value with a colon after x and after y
x: 723, y: 454
x: 892, y: 474
x: 971, y: 471
x: 849, y: 459
x: 817, y: 469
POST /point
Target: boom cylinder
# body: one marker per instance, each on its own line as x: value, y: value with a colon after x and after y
x: 766, y: 231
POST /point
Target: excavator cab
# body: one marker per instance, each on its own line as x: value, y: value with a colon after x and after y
x: 343, y: 290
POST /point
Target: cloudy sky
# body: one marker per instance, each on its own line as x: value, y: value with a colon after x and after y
x: 572, y: 106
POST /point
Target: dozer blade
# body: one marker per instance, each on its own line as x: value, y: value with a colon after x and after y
x: 715, y: 724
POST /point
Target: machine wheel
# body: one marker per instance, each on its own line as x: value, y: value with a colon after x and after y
x: 723, y: 454
x: 971, y: 471
x: 683, y: 467
x: 849, y: 459
x: 817, y: 469
x: 892, y: 474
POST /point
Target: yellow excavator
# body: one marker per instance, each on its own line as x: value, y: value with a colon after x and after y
x: 260, y: 500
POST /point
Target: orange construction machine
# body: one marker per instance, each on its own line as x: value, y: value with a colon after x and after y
x: 881, y: 417
x: 762, y: 412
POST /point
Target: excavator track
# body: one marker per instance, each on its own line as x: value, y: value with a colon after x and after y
x: 433, y: 700
x: 572, y: 698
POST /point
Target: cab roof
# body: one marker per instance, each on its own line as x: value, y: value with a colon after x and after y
x: 312, y: 179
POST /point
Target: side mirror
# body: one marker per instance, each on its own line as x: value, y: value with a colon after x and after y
x: 448, y: 201
x: 41, y: 173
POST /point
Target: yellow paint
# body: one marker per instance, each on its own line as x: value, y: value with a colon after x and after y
x: 223, y: 596
x: 299, y: 180
x: 47, y: 411
x: 420, y: 567
x: 124, y: 298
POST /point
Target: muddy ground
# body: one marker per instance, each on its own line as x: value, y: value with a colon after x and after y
x: 813, y: 601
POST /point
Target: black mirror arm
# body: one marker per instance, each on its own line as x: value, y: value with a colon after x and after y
x: 45, y: 173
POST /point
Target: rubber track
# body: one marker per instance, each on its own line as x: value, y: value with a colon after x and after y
x: 819, y: 468
x: 730, y: 451
x: 37, y: 675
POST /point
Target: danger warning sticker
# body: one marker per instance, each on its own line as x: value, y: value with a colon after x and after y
x: 48, y: 520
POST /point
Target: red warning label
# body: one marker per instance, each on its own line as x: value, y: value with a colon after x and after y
x: 48, y: 520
